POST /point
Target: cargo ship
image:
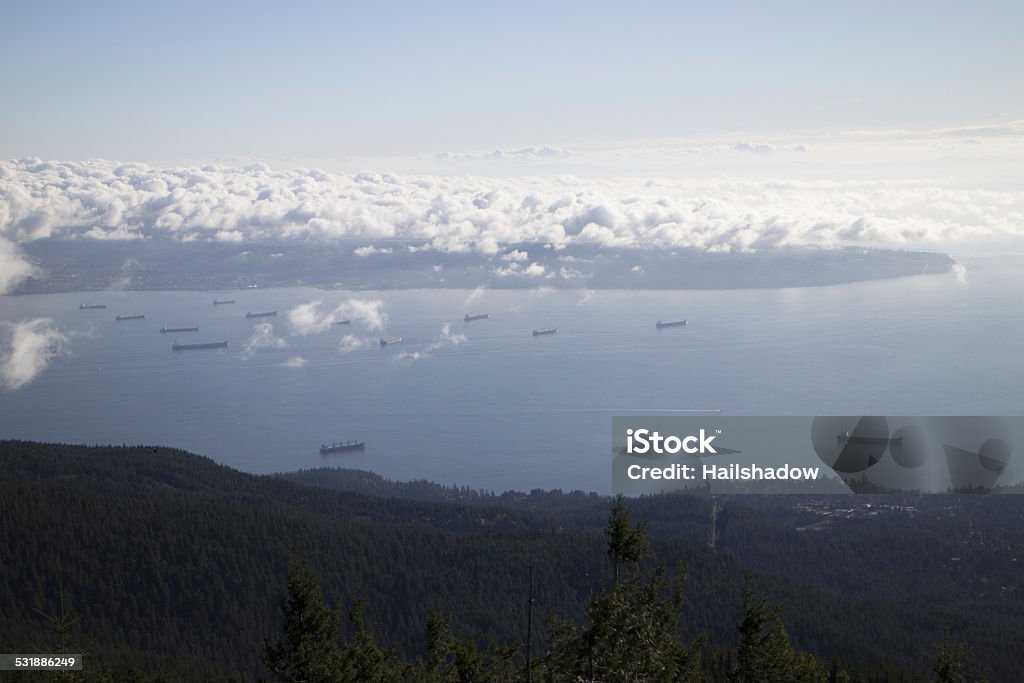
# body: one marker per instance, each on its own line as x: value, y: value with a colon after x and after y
x: 137, y: 316
x: 266, y: 314
x: 470, y: 318
x: 671, y: 323
x: 342, y: 446
x: 164, y: 330
x: 83, y: 307
x: 546, y: 330
x: 195, y: 347
x: 389, y: 341
x: 341, y: 322
x: 219, y: 302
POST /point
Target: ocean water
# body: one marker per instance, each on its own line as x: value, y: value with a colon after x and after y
x: 486, y: 404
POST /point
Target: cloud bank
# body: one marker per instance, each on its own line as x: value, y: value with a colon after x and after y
x: 25, y: 349
x: 103, y: 200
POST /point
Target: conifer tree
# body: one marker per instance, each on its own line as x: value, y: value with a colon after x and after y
x: 950, y: 661
x: 765, y: 654
x: 308, y: 652
x: 632, y: 629
x: 626, y: 543
x: 362, y: 658
x: 451, y: 659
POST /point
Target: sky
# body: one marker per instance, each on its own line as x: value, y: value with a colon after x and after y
x: 176, y: 81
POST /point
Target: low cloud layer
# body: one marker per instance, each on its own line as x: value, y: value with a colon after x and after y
x: 980, y: 150
x: 102, y: 200
x: 766, y: 148
x: 545, y: 153
x: 25, y: 349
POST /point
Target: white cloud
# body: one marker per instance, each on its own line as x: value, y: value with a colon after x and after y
x: 25, y: 349
x: 367, y: 312
x: 592, y: 233
x: 445, y: 338
x: 295, y: 362
x: 543, y: 153
x: 309, y: 318
x: 514, y: 269
x: 370, y: 250
x: 533, y: 270
x: 515, y: 255
x: 476, y: 296
x: 538, y: 293
x: 14, y: 267
x: 235, y: 236
x: 124, y: 279
x: 960, y: 272
x: 263, y: 337
x: 350, y: 343
x: 766, y: 148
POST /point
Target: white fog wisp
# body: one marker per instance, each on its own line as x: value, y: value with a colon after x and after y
x: 25, y: 349
x: 263, y: 337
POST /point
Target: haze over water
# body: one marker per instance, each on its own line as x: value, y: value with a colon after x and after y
x: 486, y: 404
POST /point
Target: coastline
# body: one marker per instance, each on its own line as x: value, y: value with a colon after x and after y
x: 65, y: 267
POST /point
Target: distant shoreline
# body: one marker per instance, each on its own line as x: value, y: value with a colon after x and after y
x: 493, y: 287
x: 67, y: 267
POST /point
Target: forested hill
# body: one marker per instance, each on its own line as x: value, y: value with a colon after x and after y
x: 177, y: 564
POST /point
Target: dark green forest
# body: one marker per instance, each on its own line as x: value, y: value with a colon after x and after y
x: 163, y: 565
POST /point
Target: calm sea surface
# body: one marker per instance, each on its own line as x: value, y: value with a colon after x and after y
x: 490, y: 406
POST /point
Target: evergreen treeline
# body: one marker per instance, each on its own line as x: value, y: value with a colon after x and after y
x: 176, y: 564
x: 630, y: 632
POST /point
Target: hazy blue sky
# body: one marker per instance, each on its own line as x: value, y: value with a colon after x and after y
x: 159, y: 81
